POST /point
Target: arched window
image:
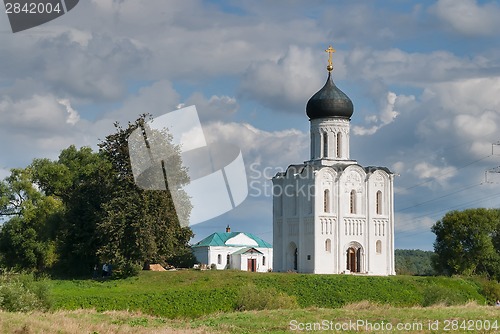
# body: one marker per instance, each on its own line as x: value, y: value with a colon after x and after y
x: 295, y: 202
x: 263, y: 260
x: 378, y: 247
x: 313, y: 145
x: 339, y: 144
x: 228, y: 258
x: 310, y: 199
x: 326, y: 201
x: 325, y: 145
x: 379, y: 202
x: 219, y: 259
x: 353, y: 202
x: 328, y: 245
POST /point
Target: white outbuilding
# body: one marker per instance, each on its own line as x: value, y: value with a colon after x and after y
x: 235, y: 250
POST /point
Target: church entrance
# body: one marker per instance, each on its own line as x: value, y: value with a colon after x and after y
x: 252, y: 265
x: 353, y: 260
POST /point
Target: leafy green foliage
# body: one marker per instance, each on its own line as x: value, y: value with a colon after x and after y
x: 414, y: 262
x: 467, y: 243
x: 22, y: 293
x: 80, y: 179
x: 27, y: 239
x: 85, y: 208
x: 252, y: 298
x: 139, y: 226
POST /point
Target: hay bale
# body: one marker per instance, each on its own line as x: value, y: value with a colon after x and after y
x: 156, y: 267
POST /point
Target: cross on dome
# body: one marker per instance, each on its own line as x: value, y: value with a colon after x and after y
x: 330, y: 51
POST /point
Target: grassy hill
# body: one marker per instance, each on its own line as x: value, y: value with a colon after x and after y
x: 196, y: 293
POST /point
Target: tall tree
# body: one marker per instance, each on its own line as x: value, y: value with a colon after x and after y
x: 140, y: 226
x: 81, y: 179
x: 467, y: 242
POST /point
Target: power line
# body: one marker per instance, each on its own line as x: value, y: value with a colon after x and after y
x: 444, y: 174
x: 440, y: 197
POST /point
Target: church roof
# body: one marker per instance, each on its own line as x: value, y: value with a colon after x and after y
x: 233, y: 239
x: 329, y: 101
x: 246, y: 250
x: 301, y: 168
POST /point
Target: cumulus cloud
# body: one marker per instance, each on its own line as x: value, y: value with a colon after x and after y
x: 213, y: 108
x: 73, y: 116
x: 427, y: 171
x: 287, y: 82
x: 386, y: 115
x: 467, y: 17
x: 269, y: 148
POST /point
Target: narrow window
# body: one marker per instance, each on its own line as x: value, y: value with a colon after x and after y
x: 326, y: 201
x: 263, y: 260
x: 328, y: 245
x: 325, y: 145
x: 313, y: 146
x: 311, y: 195
x: 353, y: 201
x: 219, y: 259
x: 378, y: 247
x: 295, y: 203
x: 227, y: 260
x: 379, y: 202
x: 339, y: 144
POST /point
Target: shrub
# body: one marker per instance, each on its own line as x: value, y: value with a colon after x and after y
x: 22, y: 293
x: 253, y: 298
x: 490, y: 289
x: 435, y: 294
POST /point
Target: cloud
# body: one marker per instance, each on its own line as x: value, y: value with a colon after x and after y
x: 427, y: 171
x: 73, y: 116
x: 287, y: 82
x: 386, y: 115
x: 467, y: 17
x: 213, y: 108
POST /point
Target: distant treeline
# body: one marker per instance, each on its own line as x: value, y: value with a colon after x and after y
x: 414, y: 262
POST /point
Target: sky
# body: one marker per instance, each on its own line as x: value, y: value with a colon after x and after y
x: 424, y: 77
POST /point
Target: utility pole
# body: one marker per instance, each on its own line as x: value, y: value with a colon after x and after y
x: 490, y: 173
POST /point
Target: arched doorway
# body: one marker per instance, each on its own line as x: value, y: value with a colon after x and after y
x: 292, y: 257
x: 354, y: 256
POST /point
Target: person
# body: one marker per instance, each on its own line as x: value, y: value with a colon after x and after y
x: 94, y: 275
x: 498, y: 302
x: 105, y: 270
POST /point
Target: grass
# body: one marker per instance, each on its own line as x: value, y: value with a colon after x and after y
x: 267, y: 321
x: 193, y: 294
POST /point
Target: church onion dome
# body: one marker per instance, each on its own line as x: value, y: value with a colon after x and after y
x: 329, y: 101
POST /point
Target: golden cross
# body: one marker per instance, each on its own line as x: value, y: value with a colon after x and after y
x: 330, y: 51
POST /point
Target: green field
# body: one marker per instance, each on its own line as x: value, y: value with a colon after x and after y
x: 240, y: 302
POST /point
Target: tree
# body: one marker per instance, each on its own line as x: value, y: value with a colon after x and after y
x: 85, y: 208
x: 27, y: 239
x: 140, y: 226
x: 467, y: 243
x: 414, y: 262
x: 81, y: 179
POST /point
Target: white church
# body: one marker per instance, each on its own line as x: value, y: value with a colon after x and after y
x: 330, y: 214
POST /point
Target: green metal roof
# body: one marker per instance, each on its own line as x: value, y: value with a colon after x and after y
x: 220, y: 238
x: 246, y: 250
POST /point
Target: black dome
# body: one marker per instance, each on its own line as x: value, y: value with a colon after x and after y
x: 329, y: 101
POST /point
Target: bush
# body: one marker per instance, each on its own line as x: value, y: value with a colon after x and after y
x: 490, y: 289
x: 23, y: 293
x: 253, y: 298
x: 435, y: 294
